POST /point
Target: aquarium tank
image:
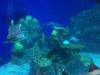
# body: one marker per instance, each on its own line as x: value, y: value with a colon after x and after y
x: 49, y: 37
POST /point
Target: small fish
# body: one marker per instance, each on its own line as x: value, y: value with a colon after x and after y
x: 64, y: 73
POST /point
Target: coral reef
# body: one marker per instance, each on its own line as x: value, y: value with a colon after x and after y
x: 59, y: 53
x: 47, y: 54
x: 86, y: 27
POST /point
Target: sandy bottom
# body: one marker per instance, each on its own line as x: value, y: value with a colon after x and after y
x: 12, y: 69
x: 95, y: 57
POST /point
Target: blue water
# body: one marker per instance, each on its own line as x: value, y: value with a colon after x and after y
x: 59, y: 11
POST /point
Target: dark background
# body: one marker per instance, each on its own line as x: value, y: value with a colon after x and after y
x: 59, y: 11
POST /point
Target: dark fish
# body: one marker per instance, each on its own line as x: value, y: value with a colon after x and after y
x: 93, y: 67
x: 93, y: 70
